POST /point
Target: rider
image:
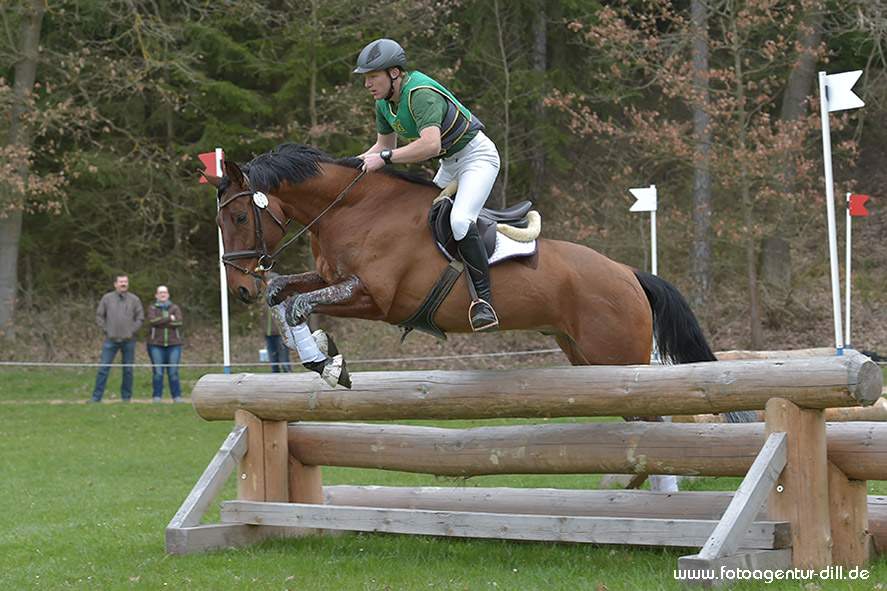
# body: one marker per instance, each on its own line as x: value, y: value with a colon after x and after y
x: 435, y: 125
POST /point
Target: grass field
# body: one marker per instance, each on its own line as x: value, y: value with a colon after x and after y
x: 87, y: 491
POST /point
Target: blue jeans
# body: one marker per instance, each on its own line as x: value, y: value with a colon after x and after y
x: 277, y: 353
x: 109, y: 352
x: 166, y: 358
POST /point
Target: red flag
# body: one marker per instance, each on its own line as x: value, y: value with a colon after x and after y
x: 856, y: 204
x: 209, y: 161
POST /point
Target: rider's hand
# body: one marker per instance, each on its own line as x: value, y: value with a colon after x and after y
x: 373, y: 161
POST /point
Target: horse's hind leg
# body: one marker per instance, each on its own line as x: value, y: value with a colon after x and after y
x: 570, y: 349
x: 658, y: 482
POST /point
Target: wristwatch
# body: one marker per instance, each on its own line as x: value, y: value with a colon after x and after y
x: 386, y: 155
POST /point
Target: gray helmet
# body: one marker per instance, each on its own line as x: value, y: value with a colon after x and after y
x: 381, y: 54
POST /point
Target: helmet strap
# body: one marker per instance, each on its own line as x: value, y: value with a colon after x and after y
x: 391, y: 80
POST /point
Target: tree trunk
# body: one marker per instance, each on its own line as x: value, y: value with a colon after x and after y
x: 11, y: 226
x: 775, y: 250
x: 754, y: 302
x: 506, y: 106
x: 701, y: 255
x: 540, y: 66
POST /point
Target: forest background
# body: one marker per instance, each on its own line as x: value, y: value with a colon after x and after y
x: 108, y: 102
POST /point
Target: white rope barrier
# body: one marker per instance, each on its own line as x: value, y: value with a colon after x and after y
x: 268, y: 363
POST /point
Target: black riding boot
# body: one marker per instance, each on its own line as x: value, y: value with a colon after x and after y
x: 474, y: 255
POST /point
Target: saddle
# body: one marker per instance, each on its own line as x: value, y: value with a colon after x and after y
x: 488, y: 220
x: 518, y: 224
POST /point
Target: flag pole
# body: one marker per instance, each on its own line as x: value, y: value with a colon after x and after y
x: 830, y: 210
x: 223, y: 284
x: 847, y: 280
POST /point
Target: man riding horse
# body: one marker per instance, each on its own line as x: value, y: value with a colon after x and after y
x: 435, y: 125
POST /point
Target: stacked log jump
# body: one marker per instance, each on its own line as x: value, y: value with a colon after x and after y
x: 810, y: 476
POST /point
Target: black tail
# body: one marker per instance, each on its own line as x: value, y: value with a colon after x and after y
x: 679, y: 337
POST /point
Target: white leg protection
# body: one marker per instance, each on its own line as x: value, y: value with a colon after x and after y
x: 663, y: 483
x: 308, y: 350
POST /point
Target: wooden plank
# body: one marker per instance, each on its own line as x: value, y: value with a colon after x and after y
x: 251, y: 471
x: 714, y: 573
x: 216, y: 536
x: 848, y: 510
x: 858, y: 449
x: 640, y: 390
x: 555, y: 528
x: 276, y: 457
x: 801, y: 492
x: 747, y: 501
x: 707, y: 505
x: 212, y: 480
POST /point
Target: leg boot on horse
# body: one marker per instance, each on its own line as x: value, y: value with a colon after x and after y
x: 474, y: 255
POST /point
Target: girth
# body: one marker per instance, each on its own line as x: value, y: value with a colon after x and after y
x: 439, y: 220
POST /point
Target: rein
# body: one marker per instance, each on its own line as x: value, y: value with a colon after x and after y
x: 260, y: 202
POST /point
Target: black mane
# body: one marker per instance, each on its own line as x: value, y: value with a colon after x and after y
x: 296, y: 163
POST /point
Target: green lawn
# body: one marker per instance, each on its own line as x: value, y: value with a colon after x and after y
x: 87, y: 491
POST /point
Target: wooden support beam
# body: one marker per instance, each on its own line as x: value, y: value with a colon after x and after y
x: 747, y: 501
x: 858, y: 449
x: 276, y: 455
x: 706, y: 505
x: 848, y: 508
x: 694, y: 570
x: 641, y: 390
x: 212, y: 480
x: 251, y: 471
x: 801, y: 493
x: 555, y: 528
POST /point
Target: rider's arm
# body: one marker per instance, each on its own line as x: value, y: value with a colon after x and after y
x: 387, y: 141
x: 427, y: 146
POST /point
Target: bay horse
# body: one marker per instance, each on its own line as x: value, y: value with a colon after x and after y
x: 376, y: 260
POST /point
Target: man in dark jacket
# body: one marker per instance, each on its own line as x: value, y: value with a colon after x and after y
x: 120, y: 315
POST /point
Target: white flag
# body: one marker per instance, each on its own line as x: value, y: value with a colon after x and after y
x: 646, y: 198
x: 840, y: 91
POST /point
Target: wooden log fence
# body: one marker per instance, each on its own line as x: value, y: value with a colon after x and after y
x: 802, y: 501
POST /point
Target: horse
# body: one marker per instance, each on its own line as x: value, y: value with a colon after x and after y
x: 376, y: 260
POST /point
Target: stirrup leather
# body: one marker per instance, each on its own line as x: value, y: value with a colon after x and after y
x: 485, y: 327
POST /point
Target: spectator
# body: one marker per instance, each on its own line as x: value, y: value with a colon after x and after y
x: 278, y: 353
x: 120, y: 316
x: 165, y: 343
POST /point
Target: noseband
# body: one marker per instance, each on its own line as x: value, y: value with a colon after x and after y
x: 260, y: 203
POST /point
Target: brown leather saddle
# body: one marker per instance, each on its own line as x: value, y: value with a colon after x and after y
x: 439, y: 220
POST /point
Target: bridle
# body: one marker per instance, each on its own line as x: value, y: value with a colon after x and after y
x: 260, y: 203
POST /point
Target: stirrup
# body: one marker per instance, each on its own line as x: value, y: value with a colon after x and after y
x: 486, y: 327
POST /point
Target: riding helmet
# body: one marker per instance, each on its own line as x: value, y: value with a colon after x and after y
x: 381, y: 54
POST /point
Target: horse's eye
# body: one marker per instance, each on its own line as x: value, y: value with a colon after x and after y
x: 240, y: 219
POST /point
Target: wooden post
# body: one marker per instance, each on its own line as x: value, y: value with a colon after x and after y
x: 801, y: 492
x: 305, y: 483
x: 251, y: 470
x: 848, y: 502
x: 276, y: 461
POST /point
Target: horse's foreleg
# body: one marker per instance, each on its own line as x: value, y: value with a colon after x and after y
x: 285, y: 286
x: 348, y: 298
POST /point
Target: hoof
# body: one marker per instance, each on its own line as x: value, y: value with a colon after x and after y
x: 332, y: 370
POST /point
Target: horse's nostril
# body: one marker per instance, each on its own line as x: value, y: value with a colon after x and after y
x: 244, y: 294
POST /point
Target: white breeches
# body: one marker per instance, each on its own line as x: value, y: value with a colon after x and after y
x: 475, y: 167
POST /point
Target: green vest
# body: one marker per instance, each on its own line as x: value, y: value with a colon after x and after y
x: 457, y: 122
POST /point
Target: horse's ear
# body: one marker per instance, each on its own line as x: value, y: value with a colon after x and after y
x: 212, y: 179
x: 234, y: 173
